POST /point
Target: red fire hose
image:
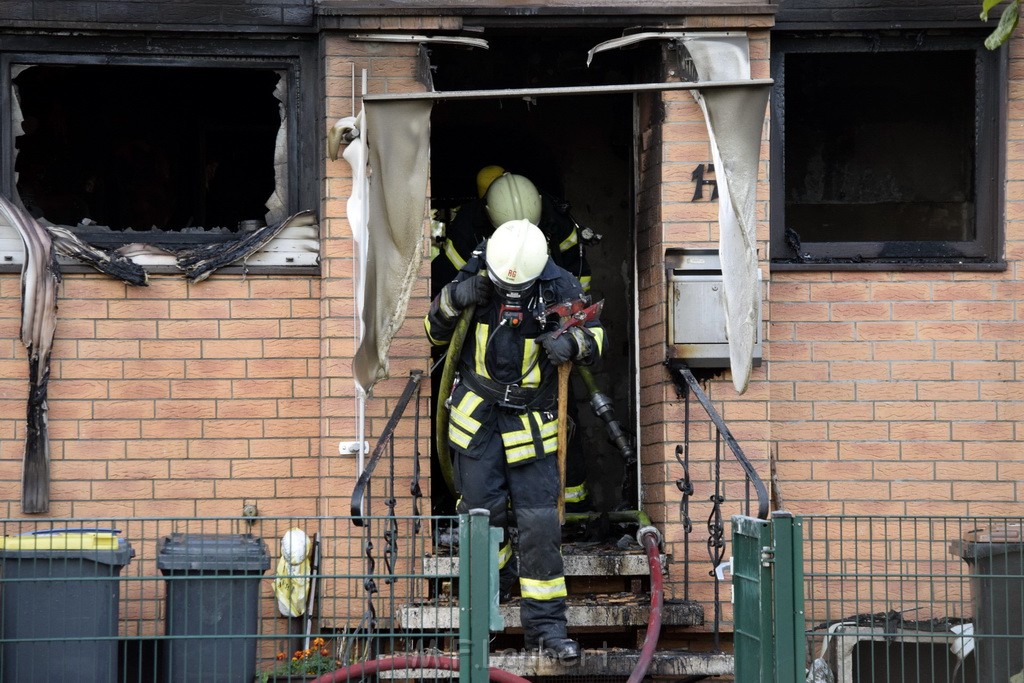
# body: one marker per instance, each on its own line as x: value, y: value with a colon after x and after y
x: 373, y: 666
x: 650, y: 539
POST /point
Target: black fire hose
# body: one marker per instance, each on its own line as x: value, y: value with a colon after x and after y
x: 602, y: 407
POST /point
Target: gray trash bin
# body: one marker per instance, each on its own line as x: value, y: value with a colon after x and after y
x: 60, y: 594
x: 213, y: 593
x: 996, y: 560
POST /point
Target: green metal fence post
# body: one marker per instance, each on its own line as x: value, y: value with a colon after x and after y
x: 788, y: 580
x: 475, y: 566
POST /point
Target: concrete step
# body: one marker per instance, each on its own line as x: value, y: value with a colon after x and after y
x: 617, y: 610
x: 593, y: 664
x: 580, y: 559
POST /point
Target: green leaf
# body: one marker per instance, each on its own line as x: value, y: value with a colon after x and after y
x: 986, y: 6
x: 1007, y: 23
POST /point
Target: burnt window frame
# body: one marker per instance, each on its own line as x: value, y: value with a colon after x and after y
x: 985, y: 251
x: 293, y: 56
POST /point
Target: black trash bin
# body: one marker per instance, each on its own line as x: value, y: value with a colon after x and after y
x: 996, y: 560
x: 60, y: 595
x: 213, y: 594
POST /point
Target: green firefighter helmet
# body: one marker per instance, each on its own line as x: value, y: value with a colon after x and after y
x: 512, y: 197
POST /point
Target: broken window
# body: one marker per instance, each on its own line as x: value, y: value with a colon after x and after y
x: 172, y: 151
x: 133, y: 147
x: 885, y: 149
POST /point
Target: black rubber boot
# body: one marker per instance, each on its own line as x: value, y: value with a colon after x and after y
x: 562, y: 649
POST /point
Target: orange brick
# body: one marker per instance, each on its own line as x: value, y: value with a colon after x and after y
x: 191, y: 409
x: 122, y: 409
x: 982, y: 491
x: 122, y: 490
x: 277, y: 368
x: 153, y: 369
x: 227, y: 429
x: 164, y: 348
x: 201, y: 388
x: 249, y: 329
x: 187, y: 329
x: 214, y: 369
x: 920, y: 490
x: 983, y: 431
x: 905, y: 411
x: 275, y: 308
x: 185, y: 488
x: 246, y: 408
x: 260, y: 468
x: 137, y: 469
x: 171, y: 429
x: 922, y: 311
x: 139, y: 389
x: 200, y: 308
x: 220, y: 448
x: 233, y: 348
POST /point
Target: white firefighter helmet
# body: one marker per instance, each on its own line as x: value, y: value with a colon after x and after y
x: 516, y: 254
x: 512, y: 197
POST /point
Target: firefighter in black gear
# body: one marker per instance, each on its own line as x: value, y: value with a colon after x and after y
x: 503, y: 419
x: 505, y: 197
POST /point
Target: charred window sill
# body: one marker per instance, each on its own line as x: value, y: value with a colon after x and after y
x: 888, y: 265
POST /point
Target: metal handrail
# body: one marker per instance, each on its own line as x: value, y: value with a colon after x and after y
x: 685, y: 384
x: 684, y: 380
x: 385, y: 439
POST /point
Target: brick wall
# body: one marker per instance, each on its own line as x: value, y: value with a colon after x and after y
x: 174, y: 399
x: 898, y: 393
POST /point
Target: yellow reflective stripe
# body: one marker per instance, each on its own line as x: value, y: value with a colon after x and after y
x: 426, y: 326
x: 543, y: 590
x: 598, y: 333
x: 514, y: 455
x: 453, y: 255
x: 504, y: 555
x: 585, y: 281
x: 569, y: 242
x: 444, y: 303
x: 469, y: 403
x: 575, y: 494
x: 481, y: 350
x: 530, y: 351
x: 459, y: 437
x: 461, y: 425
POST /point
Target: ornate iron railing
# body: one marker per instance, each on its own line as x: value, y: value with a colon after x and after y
x: 755, y: 500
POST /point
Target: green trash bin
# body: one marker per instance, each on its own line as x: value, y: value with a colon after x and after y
x: 212, y: 606
x: 995, y: 557
x: 60, y: 605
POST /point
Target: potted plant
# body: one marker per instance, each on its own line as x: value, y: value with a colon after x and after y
x: 303, y: 665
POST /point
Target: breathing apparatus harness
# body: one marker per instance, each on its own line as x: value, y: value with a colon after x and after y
x: 515, y: 308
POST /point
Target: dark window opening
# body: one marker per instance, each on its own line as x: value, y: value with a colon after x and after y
x: 133, y: 147
x: 885, y: 149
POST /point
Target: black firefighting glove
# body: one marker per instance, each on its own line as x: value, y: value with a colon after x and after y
x: 474, y: 291
x: 560, y: 349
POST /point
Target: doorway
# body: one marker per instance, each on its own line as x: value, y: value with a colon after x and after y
x: 579, y: 148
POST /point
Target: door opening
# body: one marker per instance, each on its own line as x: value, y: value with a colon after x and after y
x: 576, y: 148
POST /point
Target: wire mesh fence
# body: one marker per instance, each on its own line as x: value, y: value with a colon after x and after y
x: 170, y: 599
x: 914, y: 599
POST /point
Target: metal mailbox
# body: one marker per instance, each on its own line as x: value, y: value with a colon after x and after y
x: 696, y: 310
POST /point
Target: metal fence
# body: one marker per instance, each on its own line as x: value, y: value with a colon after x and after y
x: 914, y: 599
x: 163, y: 600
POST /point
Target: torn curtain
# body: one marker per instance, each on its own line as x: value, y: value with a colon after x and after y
x: 393, y: 183
x: 734, y: 118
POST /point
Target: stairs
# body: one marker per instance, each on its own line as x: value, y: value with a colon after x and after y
x: 608, y: 608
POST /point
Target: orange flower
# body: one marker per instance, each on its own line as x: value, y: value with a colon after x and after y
x: 281, y: 656
x: 318, y: 642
